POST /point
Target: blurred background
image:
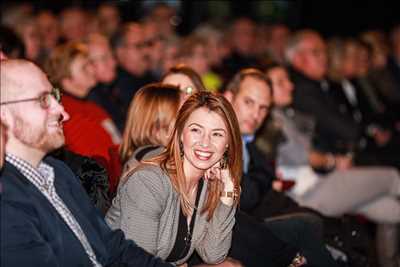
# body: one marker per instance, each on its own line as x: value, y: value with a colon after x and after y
x: 328, y: 17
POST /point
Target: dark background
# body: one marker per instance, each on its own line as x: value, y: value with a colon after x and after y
x: 329, y: 17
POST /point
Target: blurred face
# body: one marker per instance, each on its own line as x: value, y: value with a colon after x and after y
x: 282, y: 87
x: 169, y: 58
x: 198, y: 60
x: 30, y: 36
x: 74, y: 25
x: 131, y: 55
x: 109, y: 19
x: 155, y: 44
x: 244, y: 36
x: 204, y: 139
x: 251, y: 104
x: 350, y: 61
x: 279, y: 37
x: 103, y: 62
x: 82, y: 77
x: 49, y: 29
x: 34, y: 126
x: 183, y: 82
x: 363, y: 62
x: 312, y: 57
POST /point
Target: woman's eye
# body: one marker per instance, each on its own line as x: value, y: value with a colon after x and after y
x: 194, y: 130
x: 218, y: 134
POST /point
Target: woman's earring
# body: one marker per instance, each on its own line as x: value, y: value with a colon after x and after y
x: 224, y: 160
x: 181, y: 149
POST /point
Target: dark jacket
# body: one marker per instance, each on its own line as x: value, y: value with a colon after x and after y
x: 34, y: 234
x: 312, y: 98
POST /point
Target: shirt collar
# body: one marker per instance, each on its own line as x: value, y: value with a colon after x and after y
x: 43, y: 174
x: 248, y: 138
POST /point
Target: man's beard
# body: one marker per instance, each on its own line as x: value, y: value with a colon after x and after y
x: 37, y: 137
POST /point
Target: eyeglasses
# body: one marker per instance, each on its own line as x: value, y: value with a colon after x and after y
x: 44, y: 99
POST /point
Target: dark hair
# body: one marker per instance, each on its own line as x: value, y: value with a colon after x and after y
x: 11, y: 45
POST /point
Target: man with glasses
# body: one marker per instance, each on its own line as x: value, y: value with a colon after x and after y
x: 47, y: 218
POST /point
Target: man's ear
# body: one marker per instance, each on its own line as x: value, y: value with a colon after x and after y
x: 297, y: 60
x: 5, y: 117
x: 229, y: 96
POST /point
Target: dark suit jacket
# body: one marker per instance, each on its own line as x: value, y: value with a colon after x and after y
x: 34, y: 234
x: 310, y: 98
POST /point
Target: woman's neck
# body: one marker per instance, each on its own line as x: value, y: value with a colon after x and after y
x: 192, y: 176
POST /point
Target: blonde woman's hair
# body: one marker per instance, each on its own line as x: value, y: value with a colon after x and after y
x: 153, y: 108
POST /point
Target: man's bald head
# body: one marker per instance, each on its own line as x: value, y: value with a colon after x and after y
x: 17, y: 76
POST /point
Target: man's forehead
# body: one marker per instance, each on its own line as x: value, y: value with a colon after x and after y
x: 254, y: 87
x: 313, y: 40
x: 32, y: 83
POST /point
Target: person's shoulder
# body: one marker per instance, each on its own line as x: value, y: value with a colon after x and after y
x: 149, y: 174
x: 150, y: 170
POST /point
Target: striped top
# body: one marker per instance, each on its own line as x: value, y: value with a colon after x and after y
x: 147, y: 209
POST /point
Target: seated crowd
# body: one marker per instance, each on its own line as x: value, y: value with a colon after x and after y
x: 124, y: 144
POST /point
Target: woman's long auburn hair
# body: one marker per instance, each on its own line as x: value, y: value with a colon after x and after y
x: 172, y: 162
x: 153, y: 108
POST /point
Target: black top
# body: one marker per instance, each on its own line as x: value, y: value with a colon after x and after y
x: 184, y: 236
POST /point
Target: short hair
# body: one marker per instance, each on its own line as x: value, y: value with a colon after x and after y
x: 58, y: 64
x: 11, y: 45
x: 160, y: 103
x: 293, y: 44
x: 172, y: 163
x: 118, y: 38
x: 188, y: 45
x: 190, y: 73
x: 234, y: 84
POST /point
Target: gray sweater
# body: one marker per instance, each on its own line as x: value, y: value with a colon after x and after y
x: 147, y: 208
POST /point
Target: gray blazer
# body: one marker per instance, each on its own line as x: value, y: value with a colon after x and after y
x: 147, y: 208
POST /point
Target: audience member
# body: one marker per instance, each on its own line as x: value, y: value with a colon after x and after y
x: 109, y: 18
x: 106, y: 94
x: 242, y: 37
x: 250, y: 94
x: 277, y: 38
x: 133, y: 66
x: 193, y: 52
x: 90, y: 131
x: 187, y: 80
x: 369, y: 191
x: 155, y: 46
x: 358, y: 99
x: 49, y: 32
x: 74, y: 23
x: 306, y: 53
x: 27, y: 30
x: 165, y: 17
x: 146, y: 132
x: 47, y: 218
x: 205, y: 143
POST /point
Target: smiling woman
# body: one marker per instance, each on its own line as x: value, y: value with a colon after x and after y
x: 185, y: 198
